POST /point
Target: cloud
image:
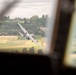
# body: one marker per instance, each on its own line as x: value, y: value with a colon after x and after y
x: 35, y: 1
x: 28, y: 8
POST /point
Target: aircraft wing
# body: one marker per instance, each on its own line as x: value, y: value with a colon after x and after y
x: 22, y: 28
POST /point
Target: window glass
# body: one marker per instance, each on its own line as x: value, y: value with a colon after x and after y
x: 24, y: 28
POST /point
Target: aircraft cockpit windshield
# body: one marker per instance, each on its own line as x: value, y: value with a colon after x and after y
x: 24, y: 28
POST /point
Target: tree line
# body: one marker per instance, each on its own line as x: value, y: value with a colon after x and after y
x: 32, y: 25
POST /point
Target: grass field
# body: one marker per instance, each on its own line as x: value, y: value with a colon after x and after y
x: 18, y: 43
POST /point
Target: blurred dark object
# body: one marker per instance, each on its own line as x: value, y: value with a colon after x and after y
x: 8, y: 7
x: 24, y: 50
x: 16, y: 51
x: 31, y: 50
x: 25, y: 64
x: 67, y: 6
x: 63, y: 21
x: 40, y: 51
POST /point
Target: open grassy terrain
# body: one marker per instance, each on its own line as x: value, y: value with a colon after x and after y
x: 18, y: 43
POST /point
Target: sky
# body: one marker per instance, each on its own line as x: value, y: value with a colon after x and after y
x: 29, y: 8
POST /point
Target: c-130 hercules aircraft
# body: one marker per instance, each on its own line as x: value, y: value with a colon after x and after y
x: 28, y: 36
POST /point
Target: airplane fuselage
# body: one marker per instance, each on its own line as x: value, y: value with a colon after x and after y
x: 28, y: 36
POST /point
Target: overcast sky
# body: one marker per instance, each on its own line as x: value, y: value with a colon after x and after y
x: 28, y: 8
